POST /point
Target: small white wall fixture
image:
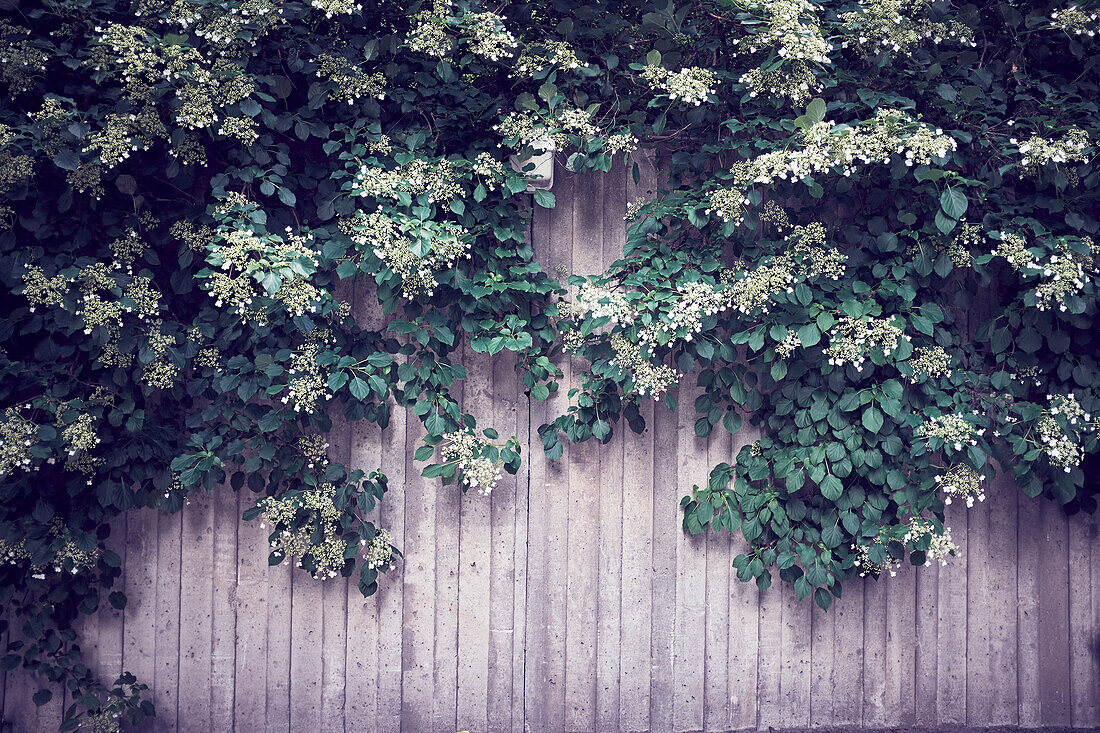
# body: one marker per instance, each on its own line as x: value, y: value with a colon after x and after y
x: 541, y: 176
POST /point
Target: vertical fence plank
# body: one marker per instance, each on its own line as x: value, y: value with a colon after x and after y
x: 611, y: 518
x: 418, y: 579
x: 979, y: 699
x: 224, y: 628
x: 165, y: 685
x: 250, y: 667
x: 769, y: 666
x: 1002, y: 498
x: 716, y: 668
x: 196, y: 610
x: 139, y: 642
x: 506, y: 408
x: 874, y: 651
x: 794, y: 642
x: 744, y: 622
x: 361, y: 666
x: 390, y: 594
x: 951, y: 635
x: 306, y: 646
x: 848, y: 654
x: 1028, y: 550
x: 822, y: 635
x: 691, y: 564
x: 544, y: 690
x: 1054, y: 654
x: 450, y: 573
x: 584, y: 495
x: 666, y: 530
x: 475, y: 566
x: 1094, y: 634
x: 637, y: 531
x: 637, y: 613
x: 334, y: 600
x: 522, y: 508
x: 1082, y: 671
x: 901, y: 642
x: 279, y: 596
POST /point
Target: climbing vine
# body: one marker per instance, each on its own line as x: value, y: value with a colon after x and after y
x: 873, y: 238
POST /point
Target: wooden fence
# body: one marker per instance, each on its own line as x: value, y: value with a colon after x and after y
x: 571, y: 599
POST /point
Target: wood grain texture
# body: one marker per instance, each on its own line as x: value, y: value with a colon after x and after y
x: 571, y: 599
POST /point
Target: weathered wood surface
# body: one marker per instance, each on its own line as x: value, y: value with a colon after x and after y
x: 571, y: 599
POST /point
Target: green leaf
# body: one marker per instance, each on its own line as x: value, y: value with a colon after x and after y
x: 832, y: 488
x: 435, y: 424
x: 815, y: 110
x: 545, y: 198
x: 832, y: 536
x: 424, y: 452
x: 41, y: 697
x: 945, y: 223
x: 731, y: 421
x: 953, y: 202
x: 872, y: 419
x: 540, y: 392
x: 823, y: 599
x: 359, y: 389
x: 809, y: 335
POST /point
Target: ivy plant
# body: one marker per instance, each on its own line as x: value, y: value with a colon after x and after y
x: 873, y: 238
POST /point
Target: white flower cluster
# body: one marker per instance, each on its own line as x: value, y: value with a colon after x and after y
x: 240, y: 258
x: 1063, y: 274
x: 621, y: 142
x: 889, y: 133
x: 929, y: 362
x: 954, y: 430
x: 867, y: 567
x: 592, y: 300
x: 649, y: 379
x: 543, y: 55
x: 292, y: 537
x: 17, y: 435
x: 576, y: 121
x: 961, y: 482
x: 796, y: 83
x: 633, y: 208
x: 488, y: 36
x: 349, y: 82
x: 438, y: 179
x: 229, y: 30
x: 308, y: 385
x: 1037, y: 151
x: 337, y: 7
x: 448, y: 243
x: 1057, y: 444
x: 890, y: 25
x: 478, y: 471
x: 1076, y: 22
x: 427, y: 34
x: 791, y: 28
x: 691, y: 85
x: 727, y: 205
x: 940, y: 547
x: 1013, y: 247
x: 488, y: 168
x: 807, y: 259
x: 786, y: 347
x: 378, y: 553
x: 851, y: 340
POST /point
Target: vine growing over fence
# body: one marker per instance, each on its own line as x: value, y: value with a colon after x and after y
x: 874, y: 237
